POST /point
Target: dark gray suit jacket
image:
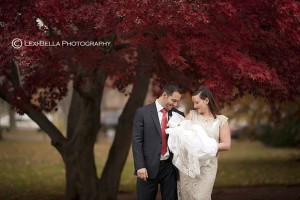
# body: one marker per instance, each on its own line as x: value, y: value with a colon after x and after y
x: 146, y: 139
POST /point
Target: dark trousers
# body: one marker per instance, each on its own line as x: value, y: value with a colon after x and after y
x: 147, y: 190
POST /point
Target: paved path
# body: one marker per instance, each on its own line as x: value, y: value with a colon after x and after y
x: 245, y: 193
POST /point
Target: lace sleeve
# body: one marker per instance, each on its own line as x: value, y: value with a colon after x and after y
x: 222, y: 119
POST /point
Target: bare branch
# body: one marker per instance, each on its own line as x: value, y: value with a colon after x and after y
x: 57, y: 138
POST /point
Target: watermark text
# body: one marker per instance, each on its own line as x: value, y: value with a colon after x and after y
x: 18, y: 43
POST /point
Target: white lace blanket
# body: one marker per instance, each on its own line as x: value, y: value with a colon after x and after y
x: 191, y: 145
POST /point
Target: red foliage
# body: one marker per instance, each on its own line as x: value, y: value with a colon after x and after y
x: 234, y: 47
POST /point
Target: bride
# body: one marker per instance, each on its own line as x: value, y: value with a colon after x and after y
x: 195, y: 142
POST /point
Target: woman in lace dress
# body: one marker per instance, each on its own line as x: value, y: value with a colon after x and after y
x: 207, y: 115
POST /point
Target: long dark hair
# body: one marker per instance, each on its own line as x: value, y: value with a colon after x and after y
x: 204, y: 93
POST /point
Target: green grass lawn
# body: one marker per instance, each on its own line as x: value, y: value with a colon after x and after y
x: 254, y: 164
x: 35, y: 168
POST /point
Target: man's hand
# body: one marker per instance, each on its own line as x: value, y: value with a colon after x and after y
x: 142, y: 174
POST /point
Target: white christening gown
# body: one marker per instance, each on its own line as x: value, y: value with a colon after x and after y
x: 194, y: 145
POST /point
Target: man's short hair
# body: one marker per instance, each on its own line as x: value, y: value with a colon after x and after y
x: 171, y: 88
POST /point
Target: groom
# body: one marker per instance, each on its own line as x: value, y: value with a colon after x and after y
x: 152, y: 158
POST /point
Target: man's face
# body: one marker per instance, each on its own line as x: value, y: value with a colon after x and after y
x: 171, y: 101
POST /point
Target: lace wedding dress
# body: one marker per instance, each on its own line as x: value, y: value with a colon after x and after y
x: 194, y: 144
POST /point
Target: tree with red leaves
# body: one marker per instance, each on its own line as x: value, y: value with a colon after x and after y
x: 233, y: 47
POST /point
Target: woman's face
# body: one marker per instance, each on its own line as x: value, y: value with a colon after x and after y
x: 201, y: 105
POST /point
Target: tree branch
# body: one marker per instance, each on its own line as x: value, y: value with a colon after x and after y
x: 57, y: 138
x: 14, y: 75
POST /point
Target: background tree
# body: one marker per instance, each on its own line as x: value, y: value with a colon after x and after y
x: 233, y: 47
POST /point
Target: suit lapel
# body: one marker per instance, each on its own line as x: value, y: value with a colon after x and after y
x: 170, y: 114
x: 154, y: 116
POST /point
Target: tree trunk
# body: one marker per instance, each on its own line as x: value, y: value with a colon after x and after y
x: 1, y: 137
x: 77, y: 150
x: 111, y: 175
x: 83, y: 126
x: 12, y: 119
x: 1, y: 129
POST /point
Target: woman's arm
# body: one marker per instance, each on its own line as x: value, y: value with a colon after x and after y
x: 225, y: 138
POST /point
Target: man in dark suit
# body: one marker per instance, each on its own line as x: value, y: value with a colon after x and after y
x: 152, y: 159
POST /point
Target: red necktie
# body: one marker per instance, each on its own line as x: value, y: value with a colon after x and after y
x: 163, y: 131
